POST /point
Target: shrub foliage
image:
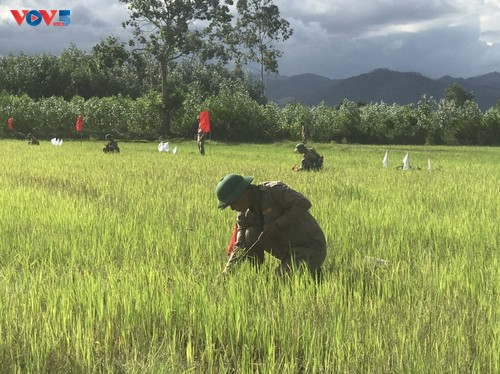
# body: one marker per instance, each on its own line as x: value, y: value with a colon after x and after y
x: 237, y: 117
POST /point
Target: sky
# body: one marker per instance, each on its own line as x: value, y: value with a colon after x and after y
x: 333, y: 38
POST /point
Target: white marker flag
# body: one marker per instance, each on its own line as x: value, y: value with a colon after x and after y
x: 163, y: 147
x: 385, y: 162
x: 174, y: 151
x: 56, y: 141
x: 406, y: 162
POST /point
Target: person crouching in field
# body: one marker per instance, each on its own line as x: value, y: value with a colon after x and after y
x: 272, y: 218
x: 32, y: 140
x: 111, y: 145
x: 311, y: 159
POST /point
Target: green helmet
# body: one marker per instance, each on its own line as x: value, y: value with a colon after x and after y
x: 300, y: 147
x: 107, y: 137
x: 230, y: 188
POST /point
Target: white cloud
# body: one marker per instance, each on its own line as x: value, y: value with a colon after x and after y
x: 490, y: 22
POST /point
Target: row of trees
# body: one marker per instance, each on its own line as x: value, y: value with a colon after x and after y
x: 236, y: 116
x: 173, y: 30
x: 165, y: 33
x: 157, y: 89
x: 109, y: 69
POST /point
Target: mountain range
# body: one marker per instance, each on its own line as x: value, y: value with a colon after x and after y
x: 380, y: 85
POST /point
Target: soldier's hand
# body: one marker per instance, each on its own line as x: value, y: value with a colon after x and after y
x: 236, y: 256
x: 269, y: 231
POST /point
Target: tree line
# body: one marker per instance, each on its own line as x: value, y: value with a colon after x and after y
x: 154, y: 88
x: 237, y: 116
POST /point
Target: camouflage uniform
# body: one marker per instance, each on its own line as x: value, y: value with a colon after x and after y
x: 299, y: 238
x: 201, y: 136
x: 311, y: 159
x: 111, y: 145
x: 32, y: 140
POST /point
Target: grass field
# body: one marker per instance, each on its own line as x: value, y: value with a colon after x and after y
x: 111, y: 263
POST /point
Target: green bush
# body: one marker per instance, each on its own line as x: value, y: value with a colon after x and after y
x: 237, y: 117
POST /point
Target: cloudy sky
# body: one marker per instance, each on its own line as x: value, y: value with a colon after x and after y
x: 334, y: 38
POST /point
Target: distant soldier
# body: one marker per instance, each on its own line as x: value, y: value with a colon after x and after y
x: 203, y: 130
x: 303, y: 134
x: 311, y: 159
x: 111, y: 145
x: 200, y: 138
x: 32, y: 140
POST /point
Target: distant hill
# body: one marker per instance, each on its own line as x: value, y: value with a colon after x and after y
x: 379, y: 85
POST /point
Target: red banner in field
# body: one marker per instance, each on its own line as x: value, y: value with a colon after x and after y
x: 232, y: 242
x: 10, y: 123
x: 205, y: 121
x: 79, y: 124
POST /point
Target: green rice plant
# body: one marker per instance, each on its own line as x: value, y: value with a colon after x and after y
x: 112, y: 262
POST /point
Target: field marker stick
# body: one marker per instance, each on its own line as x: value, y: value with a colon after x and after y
x: 242, y: 256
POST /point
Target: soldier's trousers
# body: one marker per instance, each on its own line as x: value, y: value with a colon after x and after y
x: 311, y: 254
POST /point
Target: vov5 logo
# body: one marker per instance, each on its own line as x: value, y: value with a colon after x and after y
x: 35, y: 17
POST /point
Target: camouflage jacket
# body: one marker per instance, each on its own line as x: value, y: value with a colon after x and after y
x: 277, y: 203
x: 310, y: 160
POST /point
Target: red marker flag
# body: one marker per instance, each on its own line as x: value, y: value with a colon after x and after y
x: 79, y: 124
x: 10, y: 123
x: 205, y: 121
x: 232, y: 242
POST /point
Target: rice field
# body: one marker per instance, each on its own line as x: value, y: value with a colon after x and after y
x: 112, y: 263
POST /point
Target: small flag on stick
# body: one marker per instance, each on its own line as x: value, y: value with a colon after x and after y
x: 164, y: 147
x: 79, y: 123
x: 232, y: 242
x: 406, y: 162
x: 205, y: 121
x: 385, y: 162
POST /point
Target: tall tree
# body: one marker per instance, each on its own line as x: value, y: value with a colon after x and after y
x: 76, y: 70
x: 173, y: 29
x: 110, y: 52
x: 458, y: 94
x: 258, y: 27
